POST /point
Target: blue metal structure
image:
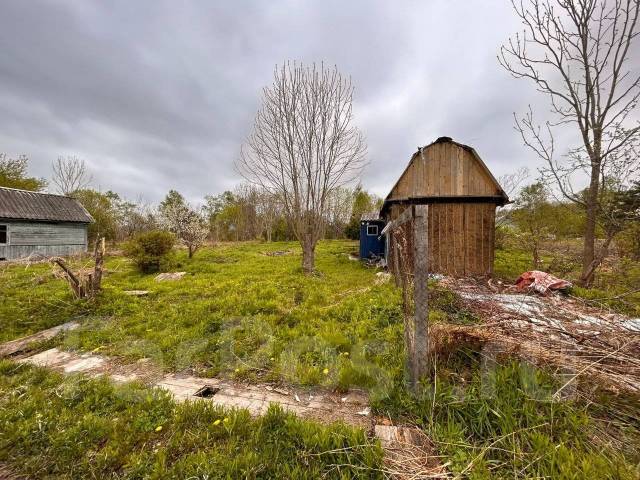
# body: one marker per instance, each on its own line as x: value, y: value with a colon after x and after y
x: 371, y: 239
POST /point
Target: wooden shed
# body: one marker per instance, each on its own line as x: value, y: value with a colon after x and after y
x: 462, y: 196
x: 34, y: 222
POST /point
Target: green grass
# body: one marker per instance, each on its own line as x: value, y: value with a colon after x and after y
x: 509, y: 264
x: 74, y: 427
x: 236, y: 313
x: 242, y: 314
x: 507, y: 425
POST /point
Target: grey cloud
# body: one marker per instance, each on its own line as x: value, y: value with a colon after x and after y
x: 160, y: 95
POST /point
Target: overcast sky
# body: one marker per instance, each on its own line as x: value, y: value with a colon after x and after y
x: 157, y: 95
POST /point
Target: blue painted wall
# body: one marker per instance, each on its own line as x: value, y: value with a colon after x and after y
x: 371, y: 242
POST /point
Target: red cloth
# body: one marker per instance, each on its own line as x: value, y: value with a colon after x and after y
x: 541, y: 282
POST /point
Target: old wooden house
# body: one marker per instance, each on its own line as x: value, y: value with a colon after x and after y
x: 34, y: 222
x: 462, y: 196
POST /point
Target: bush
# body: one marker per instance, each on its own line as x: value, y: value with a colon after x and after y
x: 151, y: 251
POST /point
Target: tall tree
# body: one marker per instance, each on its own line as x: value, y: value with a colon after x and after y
x: 13, y: 174
x: 268, y: 210
x: 363, y: 202
x: 577, y: 53
x: 303, y: 146
x: 70, y: 174
x: 620, y: 207
x: 217, y: 210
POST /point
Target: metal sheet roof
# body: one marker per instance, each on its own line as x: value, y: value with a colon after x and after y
x: 26, y: 205
x: 370, y: 216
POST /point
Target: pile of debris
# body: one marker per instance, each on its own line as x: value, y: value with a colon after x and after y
x: 551, y: 329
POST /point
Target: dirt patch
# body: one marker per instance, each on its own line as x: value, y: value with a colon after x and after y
x: 278, y: 253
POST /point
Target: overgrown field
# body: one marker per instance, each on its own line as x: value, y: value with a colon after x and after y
x: 237, y: 312
x: 51, y: 427
x: 252, y: 316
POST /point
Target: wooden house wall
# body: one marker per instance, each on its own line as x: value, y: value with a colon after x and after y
x: 50, y: 239
x: 444, y: 169
x: 461, y: 238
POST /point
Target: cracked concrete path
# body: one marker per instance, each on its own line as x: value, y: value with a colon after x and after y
x: 317, y: 404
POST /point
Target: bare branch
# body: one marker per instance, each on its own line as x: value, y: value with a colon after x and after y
x: 70, y: 175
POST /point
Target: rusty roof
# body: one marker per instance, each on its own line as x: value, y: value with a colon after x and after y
x: 27, y: 205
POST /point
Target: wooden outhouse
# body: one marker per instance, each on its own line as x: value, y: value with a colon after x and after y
x: 43, y: 223
x: 462, y: 196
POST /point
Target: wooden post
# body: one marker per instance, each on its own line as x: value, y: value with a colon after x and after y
x: 420, y: 295
x: 96, y: 279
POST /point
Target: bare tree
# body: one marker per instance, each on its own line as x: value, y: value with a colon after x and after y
x: 268, y: 210
x: 303, y: 146
x: 576, y: 52
x: 339, y: 210
x: 70, y: 175
x: 511, y: 182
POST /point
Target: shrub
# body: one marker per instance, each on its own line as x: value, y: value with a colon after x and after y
x: 151, y: 251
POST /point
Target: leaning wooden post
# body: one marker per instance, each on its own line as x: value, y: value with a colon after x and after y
x: 420, y: 294
x: 98, y: 255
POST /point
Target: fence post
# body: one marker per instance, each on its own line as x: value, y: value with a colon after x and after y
x: 421, y: 276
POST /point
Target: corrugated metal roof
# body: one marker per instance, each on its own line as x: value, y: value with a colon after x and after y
x: 370, y: 216
x: 26, y: 205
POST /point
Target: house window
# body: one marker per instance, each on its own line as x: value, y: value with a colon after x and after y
x: 3, y: 234
x: 372, y: 230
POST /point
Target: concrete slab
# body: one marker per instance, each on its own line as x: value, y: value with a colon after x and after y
x: 50, y: 358
x: 83, y: 364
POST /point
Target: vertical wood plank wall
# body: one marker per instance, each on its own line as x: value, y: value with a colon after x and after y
x: 460, y: 239
x: 461, y: 236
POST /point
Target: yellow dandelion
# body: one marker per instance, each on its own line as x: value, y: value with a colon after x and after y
x: 217, y: 422
x: 226, y: 419
x: 158, y: 428
x: 325, y: 371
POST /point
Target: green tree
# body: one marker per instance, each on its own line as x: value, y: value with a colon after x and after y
x: 103, y: 207
x: 151, y: 251
x: 173, y: 198
x: 13, y: 174
x: 531, y: 216
x: 363, y: 202
x: 630, y: 236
